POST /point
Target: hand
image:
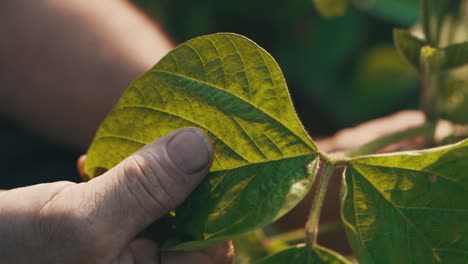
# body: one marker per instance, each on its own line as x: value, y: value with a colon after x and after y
x: 355, y: 137
x: 97, y: 221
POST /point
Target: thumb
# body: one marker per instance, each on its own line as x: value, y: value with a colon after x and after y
x: 149, y: 184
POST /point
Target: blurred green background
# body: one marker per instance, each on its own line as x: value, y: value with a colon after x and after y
x: 340, y: 71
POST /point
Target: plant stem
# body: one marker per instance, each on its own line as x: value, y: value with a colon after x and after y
x: 298, y: 234
x: 373, y: 146
x: 314, y: 217
x: 426, y: 20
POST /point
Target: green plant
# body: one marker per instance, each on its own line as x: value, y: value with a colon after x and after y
x: 407, y: 207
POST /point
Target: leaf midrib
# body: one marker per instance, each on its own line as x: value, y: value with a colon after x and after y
x: 261, y: 201
x: 237, y: 97
x: 249, y: 163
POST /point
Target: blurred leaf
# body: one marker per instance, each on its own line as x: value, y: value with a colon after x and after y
x: 455, y: 7
x: 331, y: 8
x: 402, y: 12
x: 456, y: 55
x: 305, y: 255
x: 313, y: 70
x: 408, y: 207
x: 408, y: 46
x: 264, y: 161
x: 453, y: 100
x: 382, y: 80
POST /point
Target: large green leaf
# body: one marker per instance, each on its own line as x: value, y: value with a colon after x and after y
x: 305, y: 255
x: 409, y: 207
x: 225, y: 84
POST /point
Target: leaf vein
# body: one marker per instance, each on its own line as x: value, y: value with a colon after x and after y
x: 402, y: 215
x: 185, y: 119
x: 236, y: 96
x: 221, y: 59
x: 249, y: 87
x: 199, y: 57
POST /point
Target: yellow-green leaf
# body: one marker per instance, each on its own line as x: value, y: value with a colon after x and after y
x: 409, y: 207
x: 305, y: 255
x: 225, y: 84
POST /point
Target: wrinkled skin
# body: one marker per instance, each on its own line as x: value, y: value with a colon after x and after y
x: 98, y: 221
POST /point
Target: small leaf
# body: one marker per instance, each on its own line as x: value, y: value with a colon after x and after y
x: 408, y: 46
x: 456, y: 55
x: 331, y: 8
x: 305, y: 255
x: 225, y: 84
x: 409, y: 207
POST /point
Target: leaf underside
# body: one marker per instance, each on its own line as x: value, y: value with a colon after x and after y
x: 410, y: 207
x: 225, y: 84
x: 305, y: 255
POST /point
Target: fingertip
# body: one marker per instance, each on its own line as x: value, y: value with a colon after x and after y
x: 80, y: 163
x: 222, y: 253
x: 190, y: 150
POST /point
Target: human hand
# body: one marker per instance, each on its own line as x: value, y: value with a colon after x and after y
x: 98, y: 221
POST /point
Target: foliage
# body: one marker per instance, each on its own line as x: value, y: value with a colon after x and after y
x: 407, y: 207
x: 251, y: 120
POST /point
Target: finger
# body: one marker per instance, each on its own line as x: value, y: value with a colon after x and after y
x: 140, y: 251
x: 357, y: 136
x: 80, y: 166
x: 222, y: 254
x: 148, y: 184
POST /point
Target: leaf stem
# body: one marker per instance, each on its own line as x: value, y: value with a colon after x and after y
x: 426, y: 20
x: 311, y: 228
x: 296, y: 235
x: 379, y: 143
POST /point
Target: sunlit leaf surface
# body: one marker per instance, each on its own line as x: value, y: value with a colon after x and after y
x: 410, y: 207
x: 225, y: 84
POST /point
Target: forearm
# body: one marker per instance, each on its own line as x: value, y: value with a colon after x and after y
x: 65, y: 63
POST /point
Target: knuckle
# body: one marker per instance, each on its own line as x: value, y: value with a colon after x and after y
x: 151, y: 182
